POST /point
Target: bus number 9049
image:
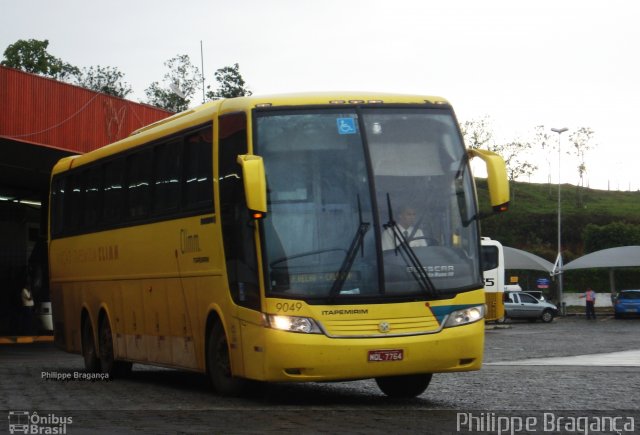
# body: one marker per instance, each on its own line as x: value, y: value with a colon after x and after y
x: 286, y: 307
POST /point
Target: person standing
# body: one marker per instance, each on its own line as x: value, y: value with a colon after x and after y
x: 590, y: 299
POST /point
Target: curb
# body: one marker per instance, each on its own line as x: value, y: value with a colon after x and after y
x: 26, y: 339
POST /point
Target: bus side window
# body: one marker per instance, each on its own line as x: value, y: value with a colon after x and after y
x: 57, y: 205
x: 73, y: 203
x: 113, y: 190
x: 92, y: 196
x: 198, y: 173
x: 166, y: 192
x: 139, y: 172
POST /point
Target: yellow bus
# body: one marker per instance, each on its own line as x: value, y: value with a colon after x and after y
x: 307, y: 237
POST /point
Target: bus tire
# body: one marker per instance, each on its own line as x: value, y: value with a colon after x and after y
x: 108, y: 363
x: 91, y: 362
x: 219, y: 364
x: 404, y: 387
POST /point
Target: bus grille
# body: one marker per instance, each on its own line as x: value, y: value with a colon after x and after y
x: 374, y: 327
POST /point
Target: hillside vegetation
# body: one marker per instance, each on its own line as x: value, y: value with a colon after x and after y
x: 591, y: 220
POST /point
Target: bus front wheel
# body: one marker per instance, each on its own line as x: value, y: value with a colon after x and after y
x: 404, y: 387
x: 219, y: 364
x: 91, y: 362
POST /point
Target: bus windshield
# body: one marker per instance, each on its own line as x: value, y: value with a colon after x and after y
x: 366, y: 203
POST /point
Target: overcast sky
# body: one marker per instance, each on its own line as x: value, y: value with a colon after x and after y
x: 557, y: 63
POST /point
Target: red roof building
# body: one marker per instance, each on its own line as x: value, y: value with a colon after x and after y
x: 45, y: 111
x: 41, y: 121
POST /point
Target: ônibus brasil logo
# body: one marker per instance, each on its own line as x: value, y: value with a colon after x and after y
x: 32, y: 423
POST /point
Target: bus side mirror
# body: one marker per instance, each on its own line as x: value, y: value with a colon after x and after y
x: 255, y: 182
x: 496, y: 178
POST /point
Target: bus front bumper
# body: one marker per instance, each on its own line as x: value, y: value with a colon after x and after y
x: 313, y: 357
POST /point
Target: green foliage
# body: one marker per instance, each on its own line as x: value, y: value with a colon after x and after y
x: 180, y: 84
x: 107, y: 80
x: 597, y: 237
x: 606, y: 219
x: 477, y: 133
x: 32, y: 56
x: 230, y: 83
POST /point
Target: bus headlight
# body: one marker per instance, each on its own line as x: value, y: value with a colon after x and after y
x: 465, y: 316
x: 304, y: 325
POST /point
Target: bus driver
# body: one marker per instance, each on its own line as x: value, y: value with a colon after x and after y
x: 406, y: 224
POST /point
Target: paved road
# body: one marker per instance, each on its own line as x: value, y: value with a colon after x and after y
x: 528, y: 372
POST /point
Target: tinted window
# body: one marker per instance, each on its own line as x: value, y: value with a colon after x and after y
x: 630, y: 295
x: 92, y: 195
x: 73, y: 213
x: 113, y: 190
x: 158, y: 181
x: 528, y: 299
x: 167, y: 176
x: 139, y: 172
x: 57, y: 204
x: 198, y: 174
x: 489, y: 257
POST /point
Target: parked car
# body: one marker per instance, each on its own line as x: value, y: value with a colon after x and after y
x: 522, y: 305
x: 627, y: 303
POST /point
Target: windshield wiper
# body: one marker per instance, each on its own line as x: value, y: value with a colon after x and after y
x: 347, y: 263
x: 409, y: 256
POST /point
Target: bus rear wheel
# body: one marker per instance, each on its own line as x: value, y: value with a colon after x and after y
x: 108, y: 364
x: 91, y: 362
x: 219, y: 364
x: 404, y: 387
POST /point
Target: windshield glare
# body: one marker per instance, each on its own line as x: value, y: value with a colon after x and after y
x: 366, y: 203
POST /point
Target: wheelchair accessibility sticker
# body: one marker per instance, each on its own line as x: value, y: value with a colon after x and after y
x: 346, y: 126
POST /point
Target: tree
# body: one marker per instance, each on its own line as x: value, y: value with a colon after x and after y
x: 515, y: 159
x: 542, y: 140
x: 32, y: 56
x: 580, y: 139
x: 107, y: 80
x: 477, y: 133
x: 180, y: 84
x: 231, y: 83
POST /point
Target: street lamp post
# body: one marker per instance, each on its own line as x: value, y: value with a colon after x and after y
x: 558, y: 266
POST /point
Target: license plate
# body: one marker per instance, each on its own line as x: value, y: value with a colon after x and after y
x: 386, y: 355
x: 630, y: 310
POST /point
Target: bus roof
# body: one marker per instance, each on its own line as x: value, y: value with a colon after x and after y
x: 201, y: 114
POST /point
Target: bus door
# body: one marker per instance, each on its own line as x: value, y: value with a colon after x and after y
x: 239, y: 238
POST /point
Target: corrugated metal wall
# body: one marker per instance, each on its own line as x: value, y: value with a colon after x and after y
x: 45, y: 111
